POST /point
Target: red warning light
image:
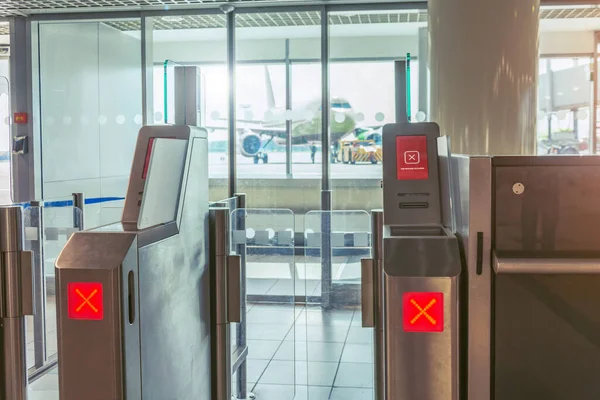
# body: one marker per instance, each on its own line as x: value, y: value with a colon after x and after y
x: 423, y: 312
x: 20, y: 118
x: 84, y: 300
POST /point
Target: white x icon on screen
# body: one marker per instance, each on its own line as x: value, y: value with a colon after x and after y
x: 412, y: 157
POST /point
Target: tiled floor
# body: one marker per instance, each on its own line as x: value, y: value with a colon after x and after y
x: 45, y: 388
x: 297, y: 353
x: 51, y: 342
x: 268, y: 278
x: 323, y: 354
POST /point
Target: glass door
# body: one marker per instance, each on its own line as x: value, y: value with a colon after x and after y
x: 264, y: 239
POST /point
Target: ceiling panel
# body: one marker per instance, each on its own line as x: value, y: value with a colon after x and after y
x: 313, y: 18
x: 27, y: 7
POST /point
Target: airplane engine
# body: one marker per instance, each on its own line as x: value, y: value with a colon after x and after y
x: 250, y: 144
x: 376, y: 137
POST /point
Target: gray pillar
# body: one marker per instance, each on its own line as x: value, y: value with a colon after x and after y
x: 483, y: 65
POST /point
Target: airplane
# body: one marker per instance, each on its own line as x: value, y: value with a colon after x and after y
x: 305, y: 130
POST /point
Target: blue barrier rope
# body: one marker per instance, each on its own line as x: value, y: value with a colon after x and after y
x: 69, y: 203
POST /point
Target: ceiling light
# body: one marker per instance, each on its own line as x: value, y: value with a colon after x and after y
x: 227, y: 8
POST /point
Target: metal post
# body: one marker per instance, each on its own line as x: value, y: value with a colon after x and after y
x: 147, y: 31
x: 21, y: 87
x: 326, y: 203
x: 232, y: 102
x: 550, y: 102
x: 326, y: 256
x: 400, y: 87
x: 16, y: 300
x: 78, y: 210
x: 378, y: 287
x: 325, y: 106
x: 594, y: 108
x: 39, y: 321
x: 424, y: 71
x: 288, y: 106
x: 220, y: 335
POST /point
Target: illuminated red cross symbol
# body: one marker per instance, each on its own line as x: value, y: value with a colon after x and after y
x: 85, y: 300
x: 423, y: 312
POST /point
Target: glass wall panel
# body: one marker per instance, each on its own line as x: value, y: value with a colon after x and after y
x: 278, y: 162
x: 90, y: 108
x: 201, y: 41
x: 564, y: 100
x: 278, y: 95
x: 362, y: 48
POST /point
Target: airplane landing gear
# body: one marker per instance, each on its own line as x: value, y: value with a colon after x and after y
x: 261, y: 156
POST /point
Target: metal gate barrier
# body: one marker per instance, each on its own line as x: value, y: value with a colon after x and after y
x: 228, y: 283
x: 16, y: 301
x: 495, y: 258
x: 133, y: 298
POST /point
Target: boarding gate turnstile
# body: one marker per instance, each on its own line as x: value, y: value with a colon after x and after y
x: 133, y: 298
x: 519, y: 283
x: 421, y: 265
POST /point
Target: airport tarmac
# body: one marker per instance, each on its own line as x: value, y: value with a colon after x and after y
x: 302, y: 167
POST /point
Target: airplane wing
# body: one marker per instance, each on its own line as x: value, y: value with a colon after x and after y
x: 275, y: 132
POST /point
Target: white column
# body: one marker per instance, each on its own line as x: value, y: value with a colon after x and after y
x: 483, y: 60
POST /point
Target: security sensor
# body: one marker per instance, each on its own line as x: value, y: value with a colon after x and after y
x: 227, y: 8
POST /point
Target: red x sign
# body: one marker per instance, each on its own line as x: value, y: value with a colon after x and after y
x: 84, y: 300
x: 423, y: 312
